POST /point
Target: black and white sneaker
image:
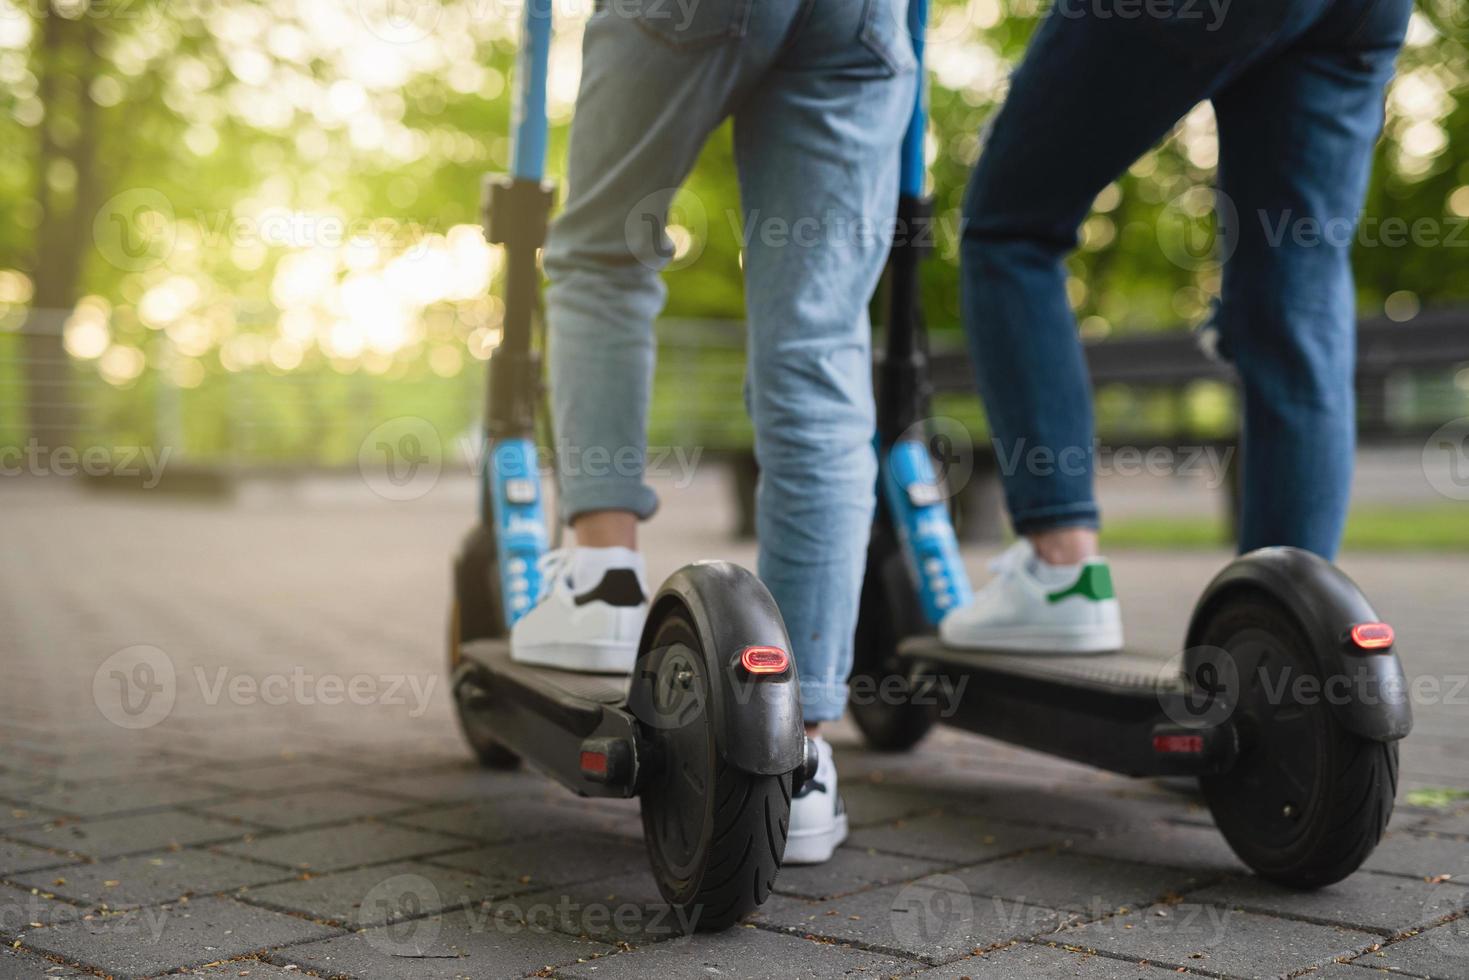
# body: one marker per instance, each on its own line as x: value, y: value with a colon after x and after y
x: 590, y: 613
x: 818, y: 816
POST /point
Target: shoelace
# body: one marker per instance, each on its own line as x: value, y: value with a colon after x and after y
x: 552, y: 566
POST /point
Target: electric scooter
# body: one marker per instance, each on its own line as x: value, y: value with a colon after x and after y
x: 707, y: 730
x: 1288, y: 700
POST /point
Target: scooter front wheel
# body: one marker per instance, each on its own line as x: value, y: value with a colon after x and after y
x: 1307, y: 800
x: 715, y: 833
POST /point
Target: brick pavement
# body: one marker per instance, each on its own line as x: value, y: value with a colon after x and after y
x: 268, y: 825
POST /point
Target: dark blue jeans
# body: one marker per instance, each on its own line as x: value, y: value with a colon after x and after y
x: 1297, y: 87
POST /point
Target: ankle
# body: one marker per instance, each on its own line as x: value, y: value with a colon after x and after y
x: 1064, y: 545
x: 606, y: 529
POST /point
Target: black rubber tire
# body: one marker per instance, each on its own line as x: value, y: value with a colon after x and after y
x: 888, y: 614
x: 733, y: 823
x: 1307, y: 800
x: 477, y: 614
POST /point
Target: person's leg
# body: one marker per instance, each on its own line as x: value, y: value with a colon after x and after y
x: 635, y: 136
x: 1096, y: 89
x: 816, y: 148
x: 1296, y: 142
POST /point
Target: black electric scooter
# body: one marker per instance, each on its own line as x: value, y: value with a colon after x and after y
x: 707, y: 730
x: 1288, y: 702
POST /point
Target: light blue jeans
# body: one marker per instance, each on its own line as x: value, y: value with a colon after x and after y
x: 820, y: 93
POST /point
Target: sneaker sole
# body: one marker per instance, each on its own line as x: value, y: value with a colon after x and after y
x: 1077, y: 640
x: 816, y: 846
x: 585, y: 658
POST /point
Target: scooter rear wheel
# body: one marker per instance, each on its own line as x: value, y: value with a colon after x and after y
x: 1307, y: 800
x: 715, y: 834
x: 477, y: 614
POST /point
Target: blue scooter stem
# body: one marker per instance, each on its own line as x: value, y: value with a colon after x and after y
x: 910, y: 180
x: 528, y: 108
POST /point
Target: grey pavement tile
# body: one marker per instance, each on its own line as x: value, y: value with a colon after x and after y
x: 160, y: 939
x: 954, y: 839
x: 149, y: 879
x: 742, y: 954
x: 1386, y: 904
x: 252, y: 969
x: 334, y: 848
x: 626, y: 909
x: 1421, y: 855
x: 17, y: 964
x: 874, y: 803
x: 1454, y: 820
x: 466, y: 784
x: 1044, y: 961
x: 852, y: 869
x: 1213, y: 939
x: 509, y: 818
x: 1202, y: 850
x: 13, y: 817
x: 1440, y: 953
x: 293, y: 810
x: 931, y: 919
x: 450, y: 947
x: 551, y: 860
x: 16, y: 858
x: 107, y: 837
x: 1090, y: 885
x: 385, y: 893
x: 119, y: 796
x: 24, y: 908
x: 279, y: 776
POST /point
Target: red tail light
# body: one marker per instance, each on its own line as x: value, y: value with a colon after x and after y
x: 1372, y: 636
x: 765, y: 660
x: 594, y: 763
x: 1178, y: 744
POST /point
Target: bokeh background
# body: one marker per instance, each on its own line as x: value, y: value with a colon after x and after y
x: 247, y: 231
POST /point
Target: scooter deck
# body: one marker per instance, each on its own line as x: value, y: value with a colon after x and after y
x: 495, y: 655
x: 1124, y: 673
x: 1120, y: 712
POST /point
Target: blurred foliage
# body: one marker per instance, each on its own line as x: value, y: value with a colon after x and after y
x: 263, y: 212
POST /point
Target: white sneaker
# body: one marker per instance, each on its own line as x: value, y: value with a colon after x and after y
x: 818, y: 816
x: 590, y: 613
x: 1033, y: 606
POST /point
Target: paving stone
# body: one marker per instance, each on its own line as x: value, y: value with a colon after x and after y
x: 870, y: 803
x: 1440, y: 953
x: 335, y: 848
x: 1421, y: 856
x: 237, y: 969
x: 494, y: 820
x: 381, y: 894
x: 931, y: 919
x: 16, y: 858
x: 548, y: 861
x: 115, y: 836
x: 279, y: 776
x: 625, y: 909
x: 741, y: 954
x: 467, y: 784
x: 1213, y: 939
x: 149, y: 879
x: 1385, y: 904
x: 1448, y: 821
x: 16, y: 964
x: 306, y: 808
x: 953, y: 839
x: 851, y: 869
x: 1044, y: 962
x: 1094, y: 886
x: 16, y: 817
x: 1192, y: 848
x: 446, y: 947
x: 99, y: 799
x: 23, y: 909
x: 160, y: 939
